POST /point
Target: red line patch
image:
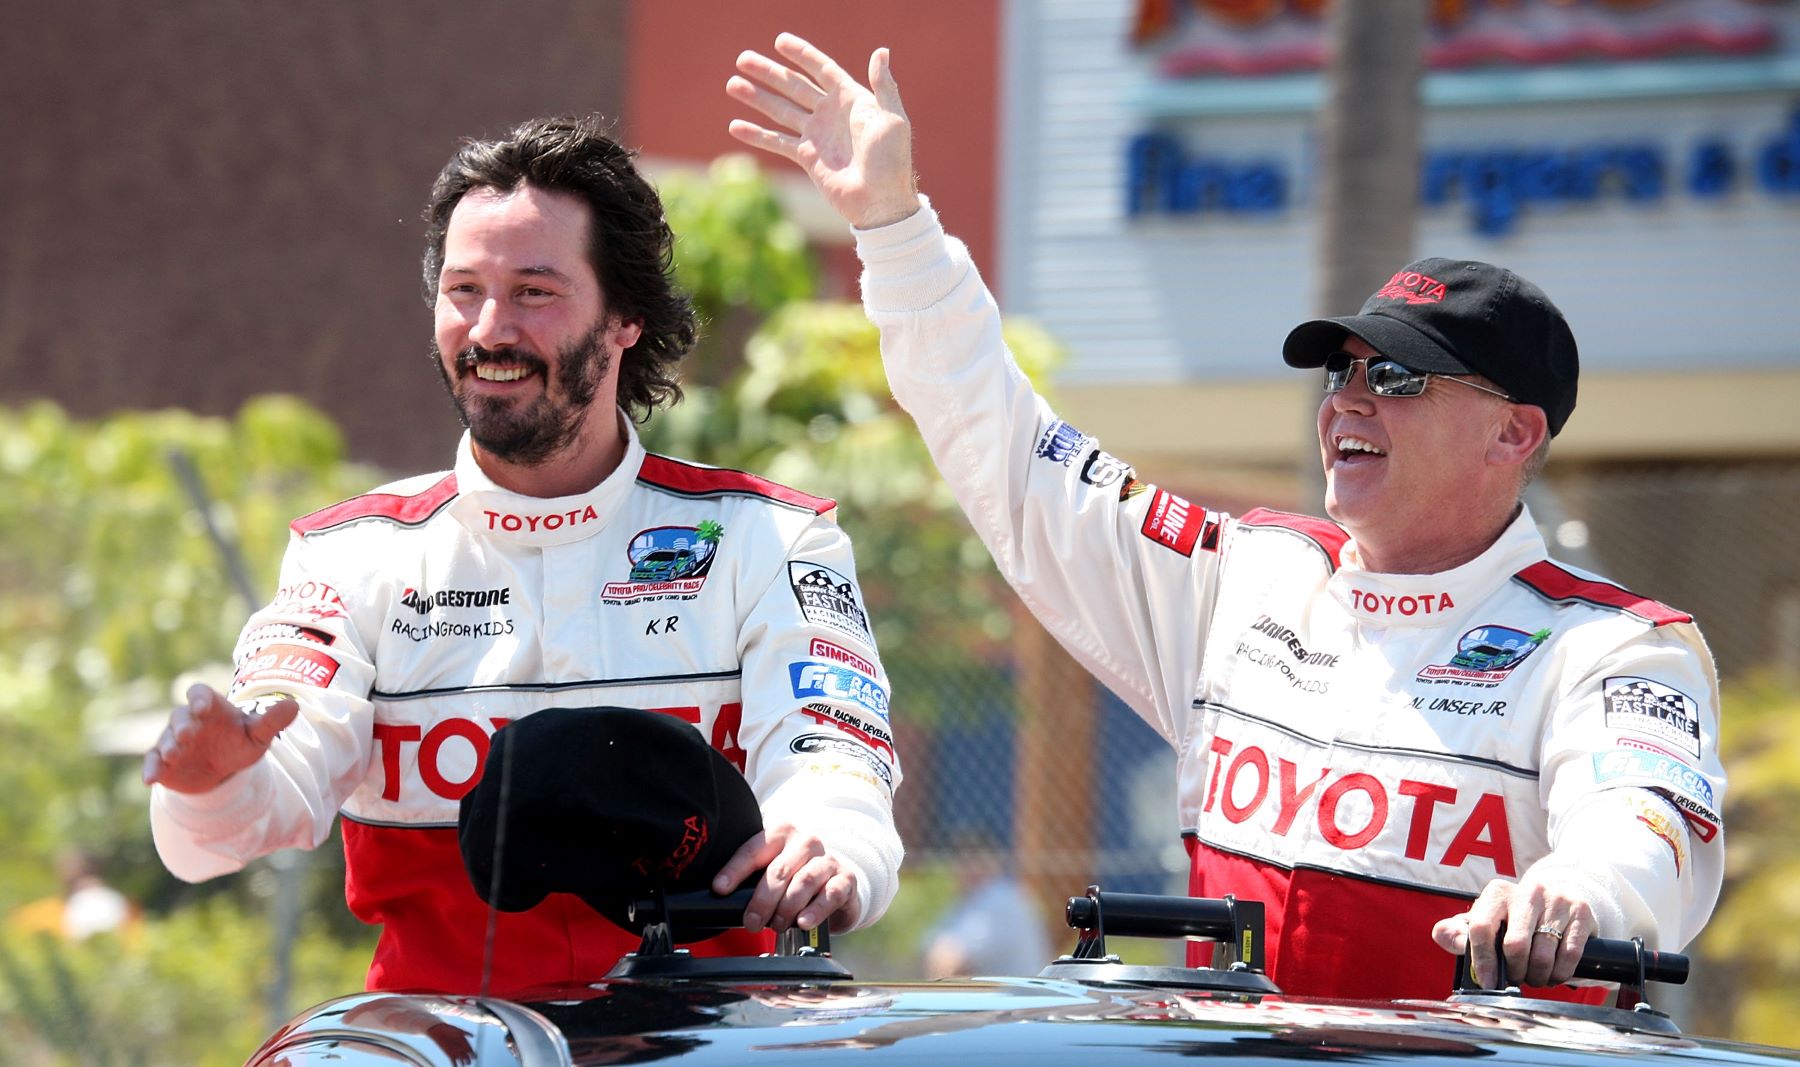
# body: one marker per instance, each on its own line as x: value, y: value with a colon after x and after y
x: 288, y: 664
x: 1176, y: 524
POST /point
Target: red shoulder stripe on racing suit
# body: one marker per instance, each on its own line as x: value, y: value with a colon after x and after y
x: 1328, y: 535
x: 405, y: 510
x: 692, y: 480
x: 1554, y: 583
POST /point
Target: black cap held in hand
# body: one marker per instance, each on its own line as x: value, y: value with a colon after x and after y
x: 604, y: 803
x: 1457, y: 316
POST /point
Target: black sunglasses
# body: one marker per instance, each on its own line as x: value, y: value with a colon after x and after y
x: 1388, y: 378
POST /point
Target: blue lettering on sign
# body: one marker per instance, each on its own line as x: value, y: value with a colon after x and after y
x: 1711, y: 170
x: 814, y: 679
x: 1496, y: 182
x: 1778, y: 164
x: 1161, y: 176
x: 1631, y: 763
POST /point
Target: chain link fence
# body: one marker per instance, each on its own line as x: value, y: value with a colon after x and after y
x: 1714, y: 540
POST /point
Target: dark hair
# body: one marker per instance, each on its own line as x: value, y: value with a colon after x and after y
x: 630, y: 246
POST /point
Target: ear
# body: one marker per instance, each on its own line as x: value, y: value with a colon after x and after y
x: 624, y: 332
x: 1521, y: 429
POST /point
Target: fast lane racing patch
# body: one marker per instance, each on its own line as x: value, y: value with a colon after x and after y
x: 827, y: 598
x: 813, y: 679
x: 1630, y: 766
x: 825, y: 744
x: 1655, y: 710
x: 1662, y: 821
x: 1060, y: 443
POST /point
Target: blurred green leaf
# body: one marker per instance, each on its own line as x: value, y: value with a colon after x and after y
x: 1745, y: 956
x: 112, y: 591
x: 810, y: 407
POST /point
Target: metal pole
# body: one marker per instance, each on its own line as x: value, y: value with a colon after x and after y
x: 288, y: 865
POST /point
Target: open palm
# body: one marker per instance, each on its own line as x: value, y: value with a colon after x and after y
x: 854, y: 142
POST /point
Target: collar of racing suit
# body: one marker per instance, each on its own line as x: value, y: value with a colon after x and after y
x: 1431, y: 600
x: 490, y: 511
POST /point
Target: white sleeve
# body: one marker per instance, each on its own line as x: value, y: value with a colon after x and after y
x: 304, y: 644
x: 816, y: 730
x: 1633, y: 785
x: 1123, y: 574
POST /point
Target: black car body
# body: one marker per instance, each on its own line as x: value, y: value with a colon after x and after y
x: 802, y: 1008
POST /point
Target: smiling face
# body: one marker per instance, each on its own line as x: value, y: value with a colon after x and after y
x: 1421, y: 482
x: 523, y: 339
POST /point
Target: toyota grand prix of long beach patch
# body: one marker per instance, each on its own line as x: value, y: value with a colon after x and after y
x: 667, y: 563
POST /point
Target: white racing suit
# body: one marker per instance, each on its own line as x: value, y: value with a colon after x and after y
x: 1362, y: 752
x: 415, y: 620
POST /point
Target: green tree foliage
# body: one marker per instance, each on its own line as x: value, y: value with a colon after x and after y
x: 1747, y: 953
x: 184, y: 989
x: 112, y: 590
x: 737, y: 254
x: 792, y: 389
x: 811, y: 408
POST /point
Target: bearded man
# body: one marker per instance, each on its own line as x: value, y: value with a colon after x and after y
x: 557, y: 565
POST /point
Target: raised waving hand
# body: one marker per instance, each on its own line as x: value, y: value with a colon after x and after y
x: 854, y: 142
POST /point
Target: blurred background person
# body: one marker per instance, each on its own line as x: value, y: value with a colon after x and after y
x: 993, y: 926
x: 86, y: 907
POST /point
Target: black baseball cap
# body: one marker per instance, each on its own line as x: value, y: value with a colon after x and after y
x: 604, y: 803
x: 1460, y: 316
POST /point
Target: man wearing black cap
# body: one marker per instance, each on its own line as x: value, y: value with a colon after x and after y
x: 1399, y: 730
x: 558, y: 564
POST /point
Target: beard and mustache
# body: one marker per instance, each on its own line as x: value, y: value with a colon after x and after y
x: 529, y: 432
